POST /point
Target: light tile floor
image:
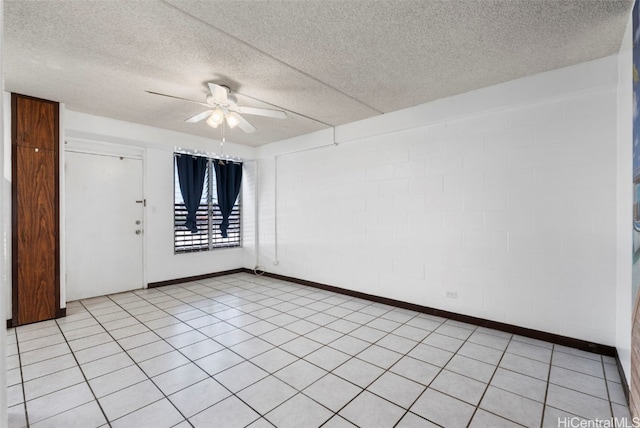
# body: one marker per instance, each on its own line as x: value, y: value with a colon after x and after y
x: 244, y: 350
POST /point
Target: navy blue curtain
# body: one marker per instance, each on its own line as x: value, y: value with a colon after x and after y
x: 191, y: 172
x: 228, y: 181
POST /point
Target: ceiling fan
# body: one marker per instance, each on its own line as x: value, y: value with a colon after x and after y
x: 223, y: 108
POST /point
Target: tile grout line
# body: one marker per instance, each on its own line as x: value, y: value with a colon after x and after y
x: 606, y: 385
x: 406, y: 354
x: 178, y: 350
x: 234, y: 394
x: 387, y: 333
x: 84, y: 376
x: 194, y: 361
x: 387, y: 370
x: 172, y: 346
x: 302, y: 358
x: 262, y: 416
x: 546, y: 390
x: 24, y: 394
x: 58, y: 390
x: 379, y: 316
x: 497, y: 366
x: 488, y: 383
x: 135, y: 362
x: 239, y: 290
x: 408, y: 410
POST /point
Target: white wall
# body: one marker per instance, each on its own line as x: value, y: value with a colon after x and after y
x: 624, y: 203
x: 4, y: 221
x: 505, y: 196
x: 161, y: 262
x: 249, y: 197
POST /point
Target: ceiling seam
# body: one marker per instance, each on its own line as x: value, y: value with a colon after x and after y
x: 275, y: 59
x: 284, y: 108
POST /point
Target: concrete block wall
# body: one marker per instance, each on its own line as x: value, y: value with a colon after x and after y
x: 511, y: 209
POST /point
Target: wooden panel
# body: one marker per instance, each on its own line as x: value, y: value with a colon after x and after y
x: 36, y: 234
x: 35, y: 212
x: 36, y: 123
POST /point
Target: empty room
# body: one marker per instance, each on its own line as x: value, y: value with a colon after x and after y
x: 311, y: 213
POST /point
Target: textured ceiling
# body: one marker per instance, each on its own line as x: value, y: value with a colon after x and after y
x: 332, y: 61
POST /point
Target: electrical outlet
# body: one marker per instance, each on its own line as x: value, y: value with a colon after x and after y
x: 452, y: 294
x: 276, y: 262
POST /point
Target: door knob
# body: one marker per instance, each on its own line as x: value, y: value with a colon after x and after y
x: 138, y: 232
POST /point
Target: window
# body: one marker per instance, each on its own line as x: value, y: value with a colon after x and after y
x: 208, y: 217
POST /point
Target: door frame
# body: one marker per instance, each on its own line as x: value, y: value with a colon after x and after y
x: 98, y: 148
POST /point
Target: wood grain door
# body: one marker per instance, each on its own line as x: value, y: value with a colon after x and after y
x: 35, y: 123
x: 36, y: 234
x: 35, y: 211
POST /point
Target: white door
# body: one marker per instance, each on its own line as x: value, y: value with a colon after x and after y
x: 103, y: 224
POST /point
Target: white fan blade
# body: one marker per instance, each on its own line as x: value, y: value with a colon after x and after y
x: 244, y: 124
x: 200, y: 116
x: 277, y: 114
x: 218, y: 93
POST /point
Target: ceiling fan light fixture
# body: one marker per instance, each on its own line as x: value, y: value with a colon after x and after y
x: 216, y: 118
x: 222, y: 109
x: 233, y: 120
